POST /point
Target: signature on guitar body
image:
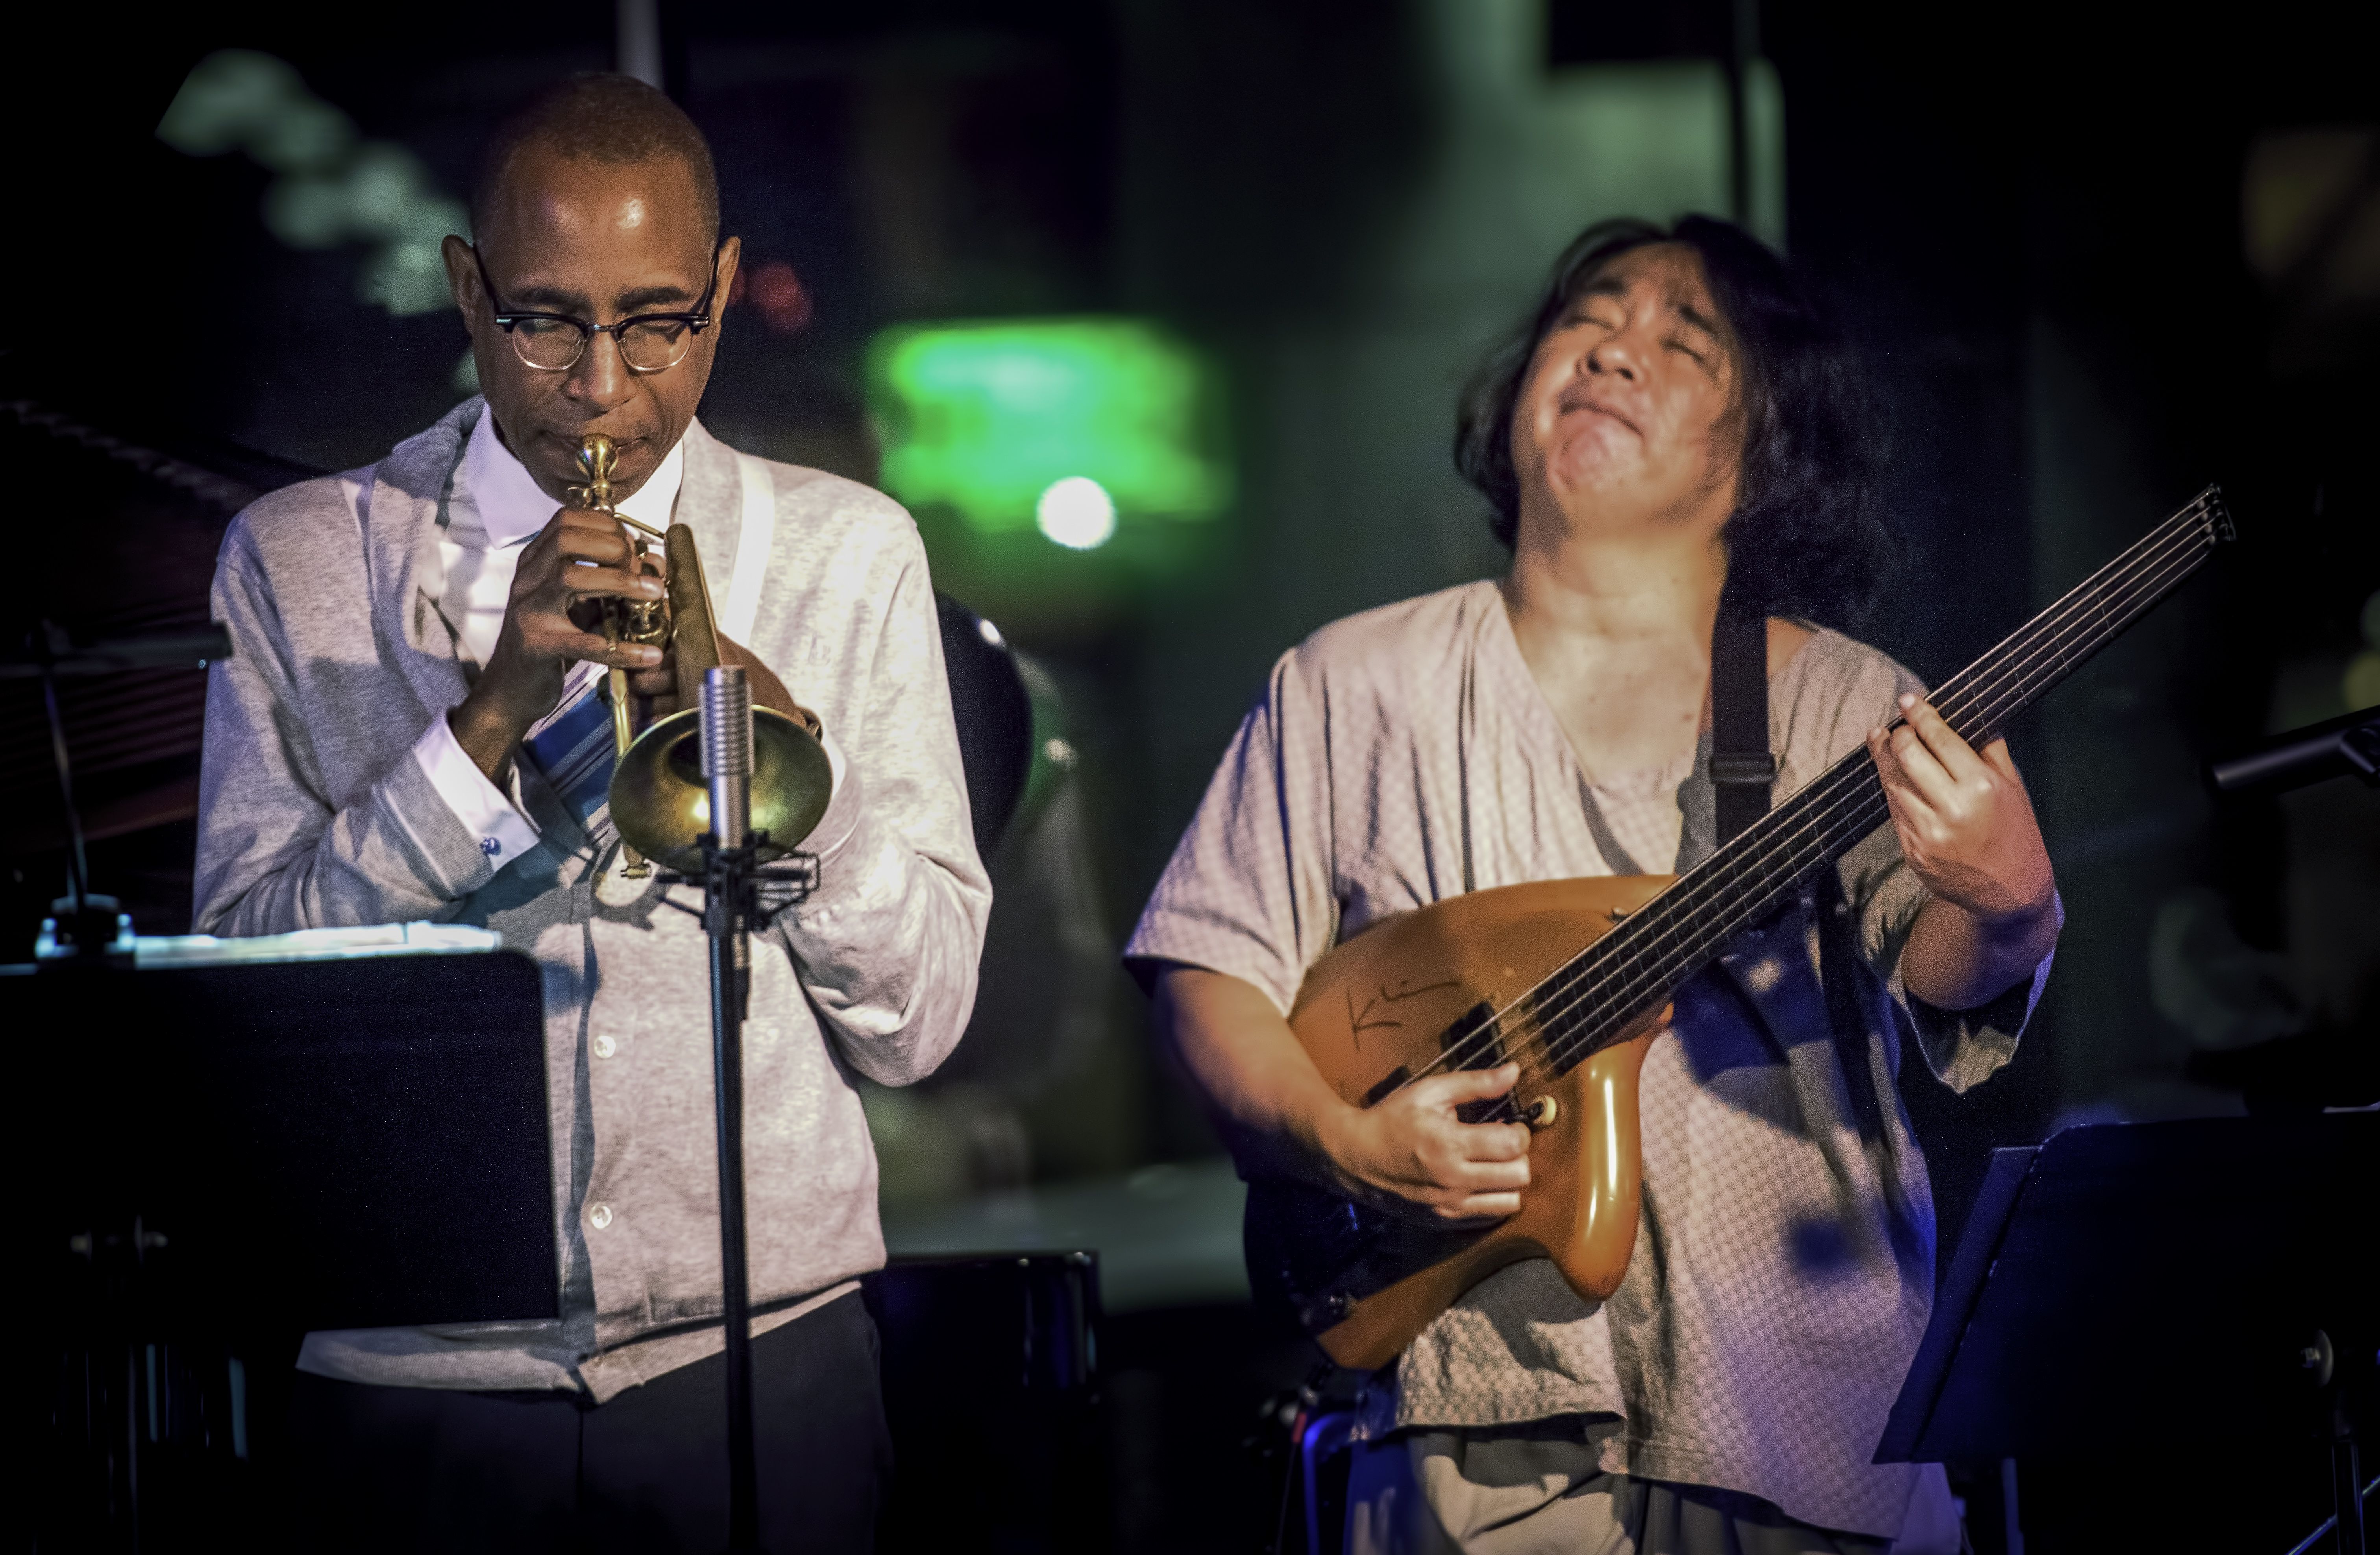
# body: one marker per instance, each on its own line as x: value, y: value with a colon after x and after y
x: 1362, y: 1020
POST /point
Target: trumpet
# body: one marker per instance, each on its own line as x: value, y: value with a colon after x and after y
x: 625, y: 621
x: 660, y: 801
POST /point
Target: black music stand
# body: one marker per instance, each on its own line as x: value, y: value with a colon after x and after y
x: 221, y: 1158
x: 341, y: 1143
x: 2138, y: 1282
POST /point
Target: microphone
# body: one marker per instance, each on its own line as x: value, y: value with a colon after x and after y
x: 727, y: 752
x: 2348, y: 747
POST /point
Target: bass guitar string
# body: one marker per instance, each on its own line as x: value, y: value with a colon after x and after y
x: 1782, y: 823
x: 1627, y: 995
x: 1785, y: 825
x: 1796, y: 817
x: 1630, y: 990
x: 2085, y: 608
x: 1630, y: 986
x: 1803, y: 820
x: 1572, y: 1029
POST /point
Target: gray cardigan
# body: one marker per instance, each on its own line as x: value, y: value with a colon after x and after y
x: 314, y: 813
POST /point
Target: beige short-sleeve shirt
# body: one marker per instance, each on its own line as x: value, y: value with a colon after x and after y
x: 1784, y: 1265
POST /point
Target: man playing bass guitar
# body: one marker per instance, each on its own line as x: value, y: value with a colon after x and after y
x: 1674, y: 428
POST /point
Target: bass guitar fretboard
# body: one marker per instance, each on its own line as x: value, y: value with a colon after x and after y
x: 1600, y: 995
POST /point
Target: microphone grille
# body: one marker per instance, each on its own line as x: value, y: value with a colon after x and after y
x: 726, y: 723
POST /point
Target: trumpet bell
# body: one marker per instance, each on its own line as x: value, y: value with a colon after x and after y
x: 660, y: 806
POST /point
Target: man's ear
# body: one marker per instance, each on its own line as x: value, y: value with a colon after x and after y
x: 731, y: 259
x: 462, y: 278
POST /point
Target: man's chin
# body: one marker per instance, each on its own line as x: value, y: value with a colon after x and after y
x: 1583, y: 468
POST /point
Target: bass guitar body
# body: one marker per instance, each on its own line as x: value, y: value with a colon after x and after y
x: 1450, y: 986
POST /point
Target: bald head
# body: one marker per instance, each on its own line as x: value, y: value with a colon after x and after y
x: 606, y: 119
x: 596, y: 203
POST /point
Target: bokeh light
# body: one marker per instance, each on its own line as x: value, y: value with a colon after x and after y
x: 1077, y: 513
x: 771, y: 289
x: 989, y: 418
x: 333, y: 187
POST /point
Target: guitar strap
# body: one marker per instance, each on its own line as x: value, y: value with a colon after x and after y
x: 1742, y: 768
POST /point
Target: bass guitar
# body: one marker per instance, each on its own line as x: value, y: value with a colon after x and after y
x: 1569, y: 978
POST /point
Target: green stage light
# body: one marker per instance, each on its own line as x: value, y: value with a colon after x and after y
x: 1070, y: 424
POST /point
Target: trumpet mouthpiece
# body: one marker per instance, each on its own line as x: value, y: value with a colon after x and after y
x: 597, y: 456
x: 597, y: 459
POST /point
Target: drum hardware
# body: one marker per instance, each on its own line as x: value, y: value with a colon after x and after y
x: 85, y: 927
x: 121, y: 1365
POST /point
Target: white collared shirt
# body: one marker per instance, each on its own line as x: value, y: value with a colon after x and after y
x: 495, y: 509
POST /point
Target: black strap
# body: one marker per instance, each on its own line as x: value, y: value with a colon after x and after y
x: 1742, y: 769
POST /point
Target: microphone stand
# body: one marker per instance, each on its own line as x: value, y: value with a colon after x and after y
x: 2348, y: 747
x: 734, y: 882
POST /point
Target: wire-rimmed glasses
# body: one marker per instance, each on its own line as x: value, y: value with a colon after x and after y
x: 554, y: 341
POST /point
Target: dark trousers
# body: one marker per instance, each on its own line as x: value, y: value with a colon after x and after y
x: 434, y: 1469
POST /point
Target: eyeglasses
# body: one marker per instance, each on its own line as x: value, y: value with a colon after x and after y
x: 648, y: 342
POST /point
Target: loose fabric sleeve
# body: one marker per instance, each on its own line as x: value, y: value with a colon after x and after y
x: 887, y: 947
x: 1249, y: 891
x: 277, y: 852
x: 1962, y: 1047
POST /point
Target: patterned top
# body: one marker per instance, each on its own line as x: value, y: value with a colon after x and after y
x: 1784, y: 1265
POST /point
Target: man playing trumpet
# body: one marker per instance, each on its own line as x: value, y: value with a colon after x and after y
x: 402, y: 735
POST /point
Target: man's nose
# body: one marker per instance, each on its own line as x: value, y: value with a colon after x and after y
x: 1617, y: 354
x: 600, y: 377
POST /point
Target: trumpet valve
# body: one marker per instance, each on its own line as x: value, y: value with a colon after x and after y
x: 645, y: 621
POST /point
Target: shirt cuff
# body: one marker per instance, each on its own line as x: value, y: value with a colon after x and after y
x: 485, y: 810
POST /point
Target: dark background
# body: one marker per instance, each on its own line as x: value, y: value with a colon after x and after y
x: 2031, y: 217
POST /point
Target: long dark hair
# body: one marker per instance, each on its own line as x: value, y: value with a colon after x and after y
x: 1806, y: 537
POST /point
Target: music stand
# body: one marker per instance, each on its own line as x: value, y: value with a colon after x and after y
x: 2118, y: 1279
x: 341, y: 1143
x: 224, y: 1157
